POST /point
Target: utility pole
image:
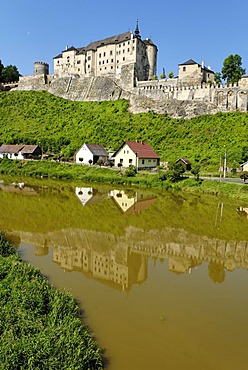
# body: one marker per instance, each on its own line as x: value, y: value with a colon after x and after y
x: 224, y: 174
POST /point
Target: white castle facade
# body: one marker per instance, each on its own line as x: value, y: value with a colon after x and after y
x: 123, y: 67
x: 109, y: 57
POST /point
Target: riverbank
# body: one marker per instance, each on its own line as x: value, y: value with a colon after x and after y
x: 40, y: 326
x: 91, y: 174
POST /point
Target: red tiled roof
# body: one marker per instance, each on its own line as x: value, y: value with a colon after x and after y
x: 142, y: 150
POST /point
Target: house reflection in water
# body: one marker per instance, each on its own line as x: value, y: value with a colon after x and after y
x: 130, y: 201
x: 90, y: 196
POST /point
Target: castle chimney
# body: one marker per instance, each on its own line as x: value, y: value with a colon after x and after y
x: 203, y: 64
x: 66, y: 47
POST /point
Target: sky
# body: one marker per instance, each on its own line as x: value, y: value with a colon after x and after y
x: 206, y: 31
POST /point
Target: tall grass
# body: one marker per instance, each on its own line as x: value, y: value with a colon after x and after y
x: 40, y: 326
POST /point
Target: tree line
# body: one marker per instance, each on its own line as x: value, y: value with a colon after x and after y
x: 9, y: 73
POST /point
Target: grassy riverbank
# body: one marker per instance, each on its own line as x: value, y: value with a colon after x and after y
x: 61, y: 127
x: 40, y: 326
x: 87, y: 174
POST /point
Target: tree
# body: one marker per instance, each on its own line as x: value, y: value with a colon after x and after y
x: 80, y: 159
x: 90, y: 162
x: 1, y: 70
x: 217, y: 77
x: 232, y: 70
x: 100, y: 162
x: 171, y: 74
x: 163, y: 75
x: 10, y: 74
x: 195, y: 170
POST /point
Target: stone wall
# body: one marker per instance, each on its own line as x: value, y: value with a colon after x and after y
x: 160, y: 96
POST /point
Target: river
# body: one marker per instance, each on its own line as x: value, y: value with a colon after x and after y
x: 162, y: 277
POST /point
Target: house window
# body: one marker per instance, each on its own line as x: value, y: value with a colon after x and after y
x: 184, y: 69
x: 121, y: 160
x: 130, y: 160
x: 143, y: 161
x: 149, y: 160
x: 127, y: 151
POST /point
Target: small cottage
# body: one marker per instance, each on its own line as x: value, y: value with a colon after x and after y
x: 138, y: 154
x: 20, y: 151
x: 185, y: 162
x: 91, y: 153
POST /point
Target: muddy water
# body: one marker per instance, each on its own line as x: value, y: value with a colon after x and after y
x: 162, y: 277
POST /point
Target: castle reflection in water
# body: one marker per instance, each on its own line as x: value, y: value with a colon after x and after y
x: 122, y: 261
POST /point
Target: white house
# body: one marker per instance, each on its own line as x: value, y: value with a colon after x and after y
x: 244, y: 166
x: 20, y: 151
x: 140, y: 155
x: 91, y: 152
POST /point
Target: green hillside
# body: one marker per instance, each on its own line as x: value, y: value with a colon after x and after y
x: 61, y: 126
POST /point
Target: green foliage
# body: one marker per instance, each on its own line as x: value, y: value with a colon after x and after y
x: 130, y: 171
x: 9, y: 73
x: 61, y: 126
x: 217, y: 77
x: 40, y: 326
x: 232, y: 70
x: 100, y: 162
x: 195, y: 170
x: 171, y: 74
x: 244, y: 175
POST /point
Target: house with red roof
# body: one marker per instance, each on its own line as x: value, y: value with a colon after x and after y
x: 138, y: 154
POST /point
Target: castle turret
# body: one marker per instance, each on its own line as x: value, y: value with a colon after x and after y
x: 41, y: 68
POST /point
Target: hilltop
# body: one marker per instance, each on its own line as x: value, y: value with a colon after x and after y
x: 61, y: 126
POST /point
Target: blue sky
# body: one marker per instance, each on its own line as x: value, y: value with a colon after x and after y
x: 208, y: 30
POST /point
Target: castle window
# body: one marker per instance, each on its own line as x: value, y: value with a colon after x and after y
x: 89, y: 57
x: 123, y: 58
x: 128, y: 43
x: 111, y: 52
x: 57, y: 61
x: 100, y: 69
x: 100, y: 63
x: 104, y: 54
x: 78, y: 69
x: 128, y: 50
x: 107, y: 61
x: 78, y: 61
x: 123, y: 51
x: 184, y: 69
x: 123, y: 43
x: 105, y: 68
x: 103, y: 62
x: 111, y: 67
x: 100, y: 55
x: 112, y: 60
x: 88, y: 65
x: 117, y: 61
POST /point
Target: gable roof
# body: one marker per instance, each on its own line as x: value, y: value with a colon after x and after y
x: 8, y: 148
x: 141, y: 149
x: 189, y: 62
x: 29, y: 149
x: 184, y: 160
x: 97, y: 149
x: 14, y: 148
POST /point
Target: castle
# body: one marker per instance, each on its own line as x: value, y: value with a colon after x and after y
x: 123, y: 67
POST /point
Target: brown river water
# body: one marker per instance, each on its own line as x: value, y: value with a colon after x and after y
x: 162, y: 277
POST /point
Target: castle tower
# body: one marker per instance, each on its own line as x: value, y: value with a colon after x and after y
x: 41, y: 68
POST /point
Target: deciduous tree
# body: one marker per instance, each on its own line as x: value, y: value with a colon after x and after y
x: 232, y: 70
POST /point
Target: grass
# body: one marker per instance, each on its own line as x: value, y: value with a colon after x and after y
x: 62, y: 126
x: 40, y: 326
